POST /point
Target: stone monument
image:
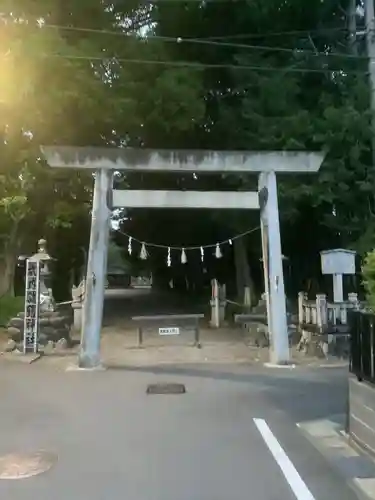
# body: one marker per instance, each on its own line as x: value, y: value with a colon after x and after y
x: 47, y: 302
x: 338, y: 262
x: 55, y: 321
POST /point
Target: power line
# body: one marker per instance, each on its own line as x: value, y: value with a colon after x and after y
x: 278, y: 33
x: 198, y: 65
x: 265, y: 48
x: 200, y: 41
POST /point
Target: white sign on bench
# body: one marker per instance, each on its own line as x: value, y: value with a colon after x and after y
x: 169, y: 331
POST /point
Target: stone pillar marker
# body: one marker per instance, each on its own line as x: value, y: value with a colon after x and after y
x: 47, y: 302
x: 78, y: 297
x: 338, y: 262
x: 38, y: 297
x: 53, y: 322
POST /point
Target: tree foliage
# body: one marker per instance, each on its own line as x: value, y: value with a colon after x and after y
x: 166, y: 74
x: 368, y: 272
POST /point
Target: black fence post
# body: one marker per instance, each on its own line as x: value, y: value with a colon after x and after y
x: 371, y: 325
x: 347, y: 419
x: 362, y: 349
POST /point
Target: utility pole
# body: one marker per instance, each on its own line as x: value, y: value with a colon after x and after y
x: 370, y: 42
x: 352, y: 25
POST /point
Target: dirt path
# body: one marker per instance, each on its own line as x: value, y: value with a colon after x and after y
x: 120, y: 347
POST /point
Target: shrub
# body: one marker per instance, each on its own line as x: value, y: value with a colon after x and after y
x: 9, y: 307
x: 368, y: 273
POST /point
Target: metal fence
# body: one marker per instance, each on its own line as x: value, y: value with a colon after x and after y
x: 362, y: 361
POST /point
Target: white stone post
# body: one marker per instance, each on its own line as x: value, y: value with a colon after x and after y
x: 307, y: 313
x: 215, y: 304
x: 301, y: 299
x: 78, y: 295
x: 247, y: 298
x: 77, y: 317
x: 353, y: 299
x: 338, y: 294
x: 314, y: 315
x: 321, y: 310
x: 223, y: 302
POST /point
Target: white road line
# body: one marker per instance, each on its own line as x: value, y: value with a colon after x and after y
x: 299, y: 488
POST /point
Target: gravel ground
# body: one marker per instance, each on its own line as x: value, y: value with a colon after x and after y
x: 120, y: 340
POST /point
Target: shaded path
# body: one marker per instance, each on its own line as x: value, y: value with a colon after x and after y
x: 121, y: 305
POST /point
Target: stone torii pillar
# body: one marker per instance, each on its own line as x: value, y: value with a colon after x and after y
x: 106, y: 160
x: 92, y: 313
x: 273, y: 268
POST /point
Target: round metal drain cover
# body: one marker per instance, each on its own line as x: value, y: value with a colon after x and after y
x: 24, y: 465
x: 166, y: 388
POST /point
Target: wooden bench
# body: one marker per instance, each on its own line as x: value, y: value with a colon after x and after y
x: 170, y: 321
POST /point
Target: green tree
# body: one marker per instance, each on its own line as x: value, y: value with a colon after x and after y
x: 303, y: 91
x: 64, y: 84
x: 76, y: 85
x: 368, y: 272
x: 116, y: 259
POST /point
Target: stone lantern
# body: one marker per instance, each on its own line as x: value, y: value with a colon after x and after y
x: 47, y: 302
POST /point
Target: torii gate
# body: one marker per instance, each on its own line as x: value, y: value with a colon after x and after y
x: 107, y: 160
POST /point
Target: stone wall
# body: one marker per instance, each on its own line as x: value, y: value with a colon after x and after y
x: 362, y: 413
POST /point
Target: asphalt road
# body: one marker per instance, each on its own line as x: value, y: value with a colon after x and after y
x: 232, y: 436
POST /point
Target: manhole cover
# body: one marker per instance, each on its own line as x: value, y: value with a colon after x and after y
x: 166, y: 388
x: 23, y: 465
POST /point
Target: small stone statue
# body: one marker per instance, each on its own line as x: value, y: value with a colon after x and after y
x: 78, y: 297
x: 78, y: 292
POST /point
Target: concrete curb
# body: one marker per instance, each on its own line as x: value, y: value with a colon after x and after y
x: 16, y: 357
x: 335, y: 364
x: 330, y: 439
x: 76, y: 368
x: 290, y: 366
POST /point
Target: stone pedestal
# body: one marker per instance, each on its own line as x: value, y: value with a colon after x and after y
x: 53, y: 327
x: 78, y: 296
x: 77, y: 317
